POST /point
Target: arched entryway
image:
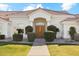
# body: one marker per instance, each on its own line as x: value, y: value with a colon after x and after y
x: 40, y: 27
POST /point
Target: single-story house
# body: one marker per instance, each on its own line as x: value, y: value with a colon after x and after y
x: 39, y: 19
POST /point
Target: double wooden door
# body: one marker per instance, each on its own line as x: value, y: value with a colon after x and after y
x: 39, y: 30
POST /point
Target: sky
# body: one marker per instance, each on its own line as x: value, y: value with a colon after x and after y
x: 72, y: 8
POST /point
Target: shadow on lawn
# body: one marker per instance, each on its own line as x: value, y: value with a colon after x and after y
x: 2, y: 44
x: 61, y: 44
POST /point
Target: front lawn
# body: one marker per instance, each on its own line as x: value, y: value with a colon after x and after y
x: 14, y: 50
x: 64, y: 50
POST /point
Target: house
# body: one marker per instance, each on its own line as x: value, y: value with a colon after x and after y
x: 39, y: 19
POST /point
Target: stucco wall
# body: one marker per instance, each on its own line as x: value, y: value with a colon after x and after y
x: 23, y: 20
x: 19, y: 22
x: 51, y: 19
x: 4, y: 27
x: 67, y: 25
x: 56, y: 20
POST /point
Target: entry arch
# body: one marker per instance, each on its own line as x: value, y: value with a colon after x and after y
x: 40, y: 26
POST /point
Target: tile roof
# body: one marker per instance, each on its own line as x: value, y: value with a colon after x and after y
x: 56, y: 12
x: 71, y: 19
x: 5, y: 14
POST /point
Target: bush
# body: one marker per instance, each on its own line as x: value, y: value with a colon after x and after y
x: 72, y: 31
x: 28, y: 29
x: 17, y: 37
x: 49, y: 36
x: 31, y: 36
x: 2, y: 36
x: 20, y: 31
x: 53, y: 28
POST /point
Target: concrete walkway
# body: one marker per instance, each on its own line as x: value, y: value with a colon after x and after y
x: 39, y: 48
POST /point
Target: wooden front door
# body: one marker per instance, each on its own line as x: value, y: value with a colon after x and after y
x: 39, y: 31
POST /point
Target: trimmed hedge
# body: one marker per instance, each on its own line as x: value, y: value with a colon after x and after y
x: 2, y: 36
x: 53, y: 28
x: 31, y: 36
x: 17, y: 37
x: 49, y: 36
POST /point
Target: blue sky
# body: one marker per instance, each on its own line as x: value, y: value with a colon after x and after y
x: 72, y: 8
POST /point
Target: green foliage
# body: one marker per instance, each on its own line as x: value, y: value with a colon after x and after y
x: 28, y: 29
x: 52, y: 28
x: 20, y: 31
x: 49, y: 36
x: 72, y: 31
x: 2, y: 36
x: 63, y: 50
x: 31, y: 36
x: 17, y: 37
x: 14, y: 49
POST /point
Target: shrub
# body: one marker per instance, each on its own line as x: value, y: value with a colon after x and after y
x: 20, y: 31
x: 17, y: 37
x: 53, y: 28
x: 28, y: 29
x: 2, y: 36
x: 31, y: 36
x: 72, y: 31
x: 49, y: 36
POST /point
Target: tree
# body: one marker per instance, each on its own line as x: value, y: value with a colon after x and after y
x: 72, y: 31
x: 53, y: 28
x: 20, y: 31
x: 28, y: 29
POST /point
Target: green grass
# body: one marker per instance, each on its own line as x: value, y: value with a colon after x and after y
x: 14, y: 50
x: 63, y: 50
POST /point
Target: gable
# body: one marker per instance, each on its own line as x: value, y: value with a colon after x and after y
x: 39, y: 13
